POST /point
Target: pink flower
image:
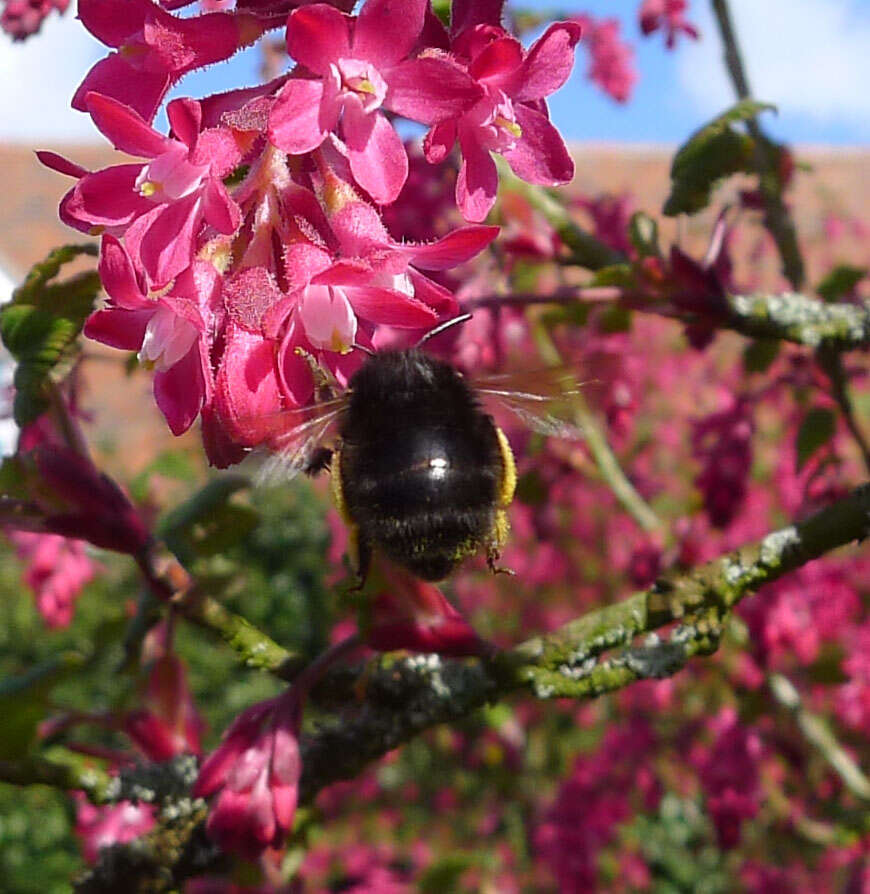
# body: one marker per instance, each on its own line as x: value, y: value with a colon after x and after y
x: 167, y: 723
x: 73, y: 499
x: 359, y: 67
x: 410, y: 613
x: 154, y: 49
x: 168, y: 331
x: 256, y: 771
x: 667, y: 14
x: 723, y: 443
x: 611, y: 60
x: 100, y: 827
x: 730, y: 774
x: 511, y: 116
x: 21, y: 18
x: 57, y: 571
x: 162, y: 205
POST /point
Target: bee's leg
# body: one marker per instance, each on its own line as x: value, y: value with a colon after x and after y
x: 359, y: 552
x: 322, y: 384
x: 492, y: 556
x: 319, y: 460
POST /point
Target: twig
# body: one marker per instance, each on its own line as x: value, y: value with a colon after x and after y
x: 832, y: 363
x: 597, y: 443
x: 789, y: 316
x: 776, y: 215
x: 818, y: 734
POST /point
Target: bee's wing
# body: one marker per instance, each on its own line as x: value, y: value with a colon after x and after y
x: 296, y: 436
x: 540, y: 399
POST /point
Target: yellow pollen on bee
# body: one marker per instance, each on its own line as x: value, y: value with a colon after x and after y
x: 510, y: 126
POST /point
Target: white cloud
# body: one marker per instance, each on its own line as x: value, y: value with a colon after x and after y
x: 811, y: 58
x: 38, y: 78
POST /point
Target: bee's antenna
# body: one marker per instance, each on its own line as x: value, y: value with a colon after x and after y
x: 363, y: 348
x: 447, y: 324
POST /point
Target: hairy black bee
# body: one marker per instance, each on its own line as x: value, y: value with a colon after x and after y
x: 419, y: 470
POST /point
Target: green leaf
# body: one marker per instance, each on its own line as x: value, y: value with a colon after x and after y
x: 23, y: 702
x: 42, y: 272
x: 173, y: 464
x: 614, y: 319
x: 41, y: 325
x: 441, y: 8
x: 815, y: 431
x: 759, y: 354
x: 445, y: 874
x: 715, y: 151
x: 840, y: 281
x: 614, y: 275
x: 223, y: 528
x: 643, y: 232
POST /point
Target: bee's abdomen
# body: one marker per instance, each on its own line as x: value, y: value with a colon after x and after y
x: 427, y: 499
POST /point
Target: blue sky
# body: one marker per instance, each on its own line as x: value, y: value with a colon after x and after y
x: 810, y: 57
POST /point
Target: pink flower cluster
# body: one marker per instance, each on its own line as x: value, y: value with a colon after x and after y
x: 251, y: 230
x: 57, y: 571
x: 21, y: 18
x: 669, y: 15
x: 611, y: 59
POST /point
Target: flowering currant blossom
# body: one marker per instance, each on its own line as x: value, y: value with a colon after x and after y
x: 334, y: 297
x: 167, y: 331
x: 611, y: 60
x: 57, y: 571
x: 667, y: 14
x: 511, y: 116
x: 154, y: 49
x: 256, y: 771
x: 162, y: 205
x: 357, y: 67
x: 167, y: 723
x: 21, y: 18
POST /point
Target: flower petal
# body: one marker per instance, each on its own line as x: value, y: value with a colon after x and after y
x: 122, y: 329
x: 540, y: 155
x: 549, y: 61
x: 317, y: 36
x: 430, y: 89
x: 167, y: 246
x: 180, y: 391
x: 185, y: 117
x: 124, y: 128
x: 298, y: 123
x: 390, y: 308
x: 119, y: 278
x: 387, y: 30
x: 477, y: 183
x: 439, y: 141
x: 60, y: 164
x: 142, y: 91
x: 377, y: 157
x: 499, y: 63
x: 218, y: 209
x: 467, y: 13
x: 110, y: 24
x: 106, y: 198
x: 453, y: 249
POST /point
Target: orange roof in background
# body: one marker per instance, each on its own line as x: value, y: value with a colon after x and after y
x: 838, y: 183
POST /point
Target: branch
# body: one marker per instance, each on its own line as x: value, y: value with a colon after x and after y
x: 789, y: 316
x: 406, y: 696
x: 591, y: 655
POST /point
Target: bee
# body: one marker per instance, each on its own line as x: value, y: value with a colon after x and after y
x: 420, y: 472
